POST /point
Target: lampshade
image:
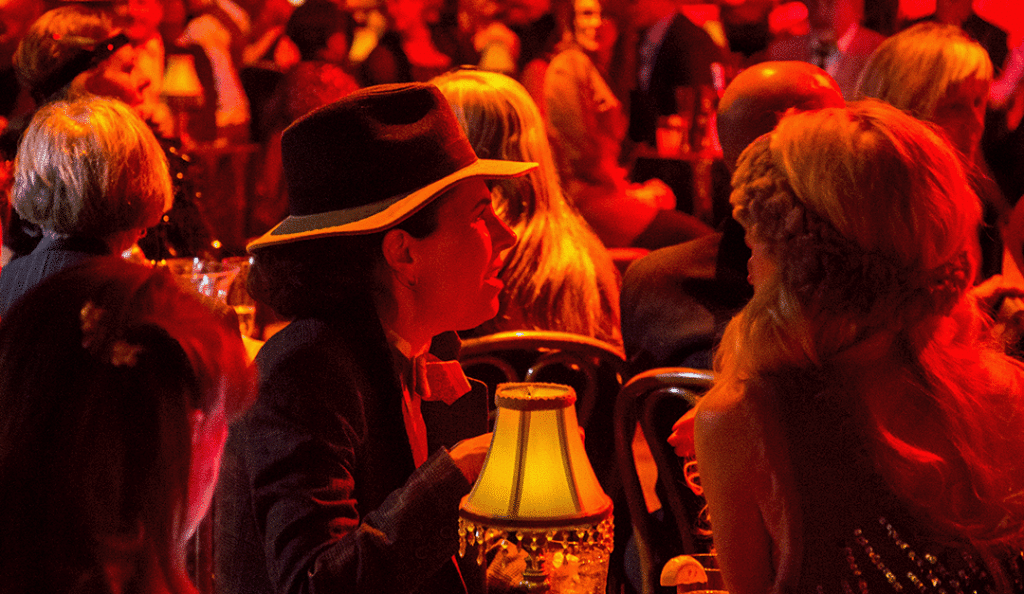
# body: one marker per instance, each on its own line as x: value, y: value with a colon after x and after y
x: 181, y: 80
x: 537, y: 488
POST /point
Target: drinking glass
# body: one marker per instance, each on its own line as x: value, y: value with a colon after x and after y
x: 238, y: 296
x: 206, y: 277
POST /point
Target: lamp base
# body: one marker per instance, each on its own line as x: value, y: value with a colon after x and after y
x: 535, y: 580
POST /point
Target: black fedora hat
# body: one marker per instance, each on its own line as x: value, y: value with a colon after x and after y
x: 371, y: 160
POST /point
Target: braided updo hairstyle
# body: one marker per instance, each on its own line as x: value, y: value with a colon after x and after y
x: 869, y: 221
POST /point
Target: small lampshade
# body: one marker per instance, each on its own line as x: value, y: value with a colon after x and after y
x: 536, y: 474
x: 181, y: 80
x: 537, y: 487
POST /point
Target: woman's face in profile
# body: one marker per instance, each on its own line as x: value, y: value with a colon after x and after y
x: 586, y: 22
x: 119, y: 77
x: 760, y: 265
x: 459, y: 263
x: 961, y: 114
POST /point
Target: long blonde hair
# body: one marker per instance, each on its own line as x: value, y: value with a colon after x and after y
x: 559, y: 275
x: 868, y: 217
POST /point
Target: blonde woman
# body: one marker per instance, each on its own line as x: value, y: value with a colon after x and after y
x: 559, y: 275
x: 862, y: 434
x: 938, y: 74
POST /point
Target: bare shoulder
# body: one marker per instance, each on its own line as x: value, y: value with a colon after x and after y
x: 723, y: 413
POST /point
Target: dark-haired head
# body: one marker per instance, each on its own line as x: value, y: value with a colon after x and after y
x: 293, y: 280
x: 116, y: 387
x: 312, y: 25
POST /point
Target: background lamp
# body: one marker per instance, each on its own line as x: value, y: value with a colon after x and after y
x: 537, y: 491
x: 183, y: 92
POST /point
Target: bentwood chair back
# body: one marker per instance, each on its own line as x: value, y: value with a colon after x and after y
x: 654, y: 400
x: 592, y: 367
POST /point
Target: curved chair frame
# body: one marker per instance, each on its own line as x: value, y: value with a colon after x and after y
x: 642, y: 401
x: 579, y: 353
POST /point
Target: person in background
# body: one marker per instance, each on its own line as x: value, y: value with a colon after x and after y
x: 862, y: 433
x: 586, y: 125
x: 940, y: 75
x: 92, y: 176
x: 222, y: 29
x: 407, y: 51
x: 677, y: 300
x: 116, y: 390
x: 559, y: 276
x: 837, y: 42
x: 672, y: 52
x: 322, y: 32
x: 142, y: 27
x: 346, y: 475
x: 77, y: 50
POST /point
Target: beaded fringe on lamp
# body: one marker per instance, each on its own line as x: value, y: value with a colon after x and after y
x: 537, y: 491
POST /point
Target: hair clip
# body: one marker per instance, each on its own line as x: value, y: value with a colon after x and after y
x: 121, y: 354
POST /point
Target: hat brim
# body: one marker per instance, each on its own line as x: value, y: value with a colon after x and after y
x: 384, y: 214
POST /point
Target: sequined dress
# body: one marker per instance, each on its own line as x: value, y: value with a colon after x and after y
x: 855, y: 535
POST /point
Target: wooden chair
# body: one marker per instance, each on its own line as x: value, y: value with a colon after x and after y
x: 592, y: 367
x: 655, y: 399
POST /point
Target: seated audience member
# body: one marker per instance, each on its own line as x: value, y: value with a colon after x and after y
x: 222, y: 28
x: 76, y: 50
x: 346, y: 475
x: 322, y: 32
x: 559, y: 276
x: 677, y: 300
x: 862, y: 433
x: 92, y: 176
x: 116, y: 390
x: 940, y: 75
x: 586, y: 125
x: 142, y: 20
x: 837, y: 41
x: 407, y: 51
x: 672, y: 52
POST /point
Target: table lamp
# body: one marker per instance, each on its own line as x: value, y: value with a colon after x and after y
x: 182, y: 91
x: 538, y: 491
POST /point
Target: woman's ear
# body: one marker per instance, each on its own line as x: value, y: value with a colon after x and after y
x: 398, y: 253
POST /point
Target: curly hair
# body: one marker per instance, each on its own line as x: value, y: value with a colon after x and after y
x: 869, y: 219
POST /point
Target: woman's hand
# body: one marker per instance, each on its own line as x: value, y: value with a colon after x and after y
x: 469, y: 455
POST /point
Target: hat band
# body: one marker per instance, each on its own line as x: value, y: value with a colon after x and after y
x: 334, y: 218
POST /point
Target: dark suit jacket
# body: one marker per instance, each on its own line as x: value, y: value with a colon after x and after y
x: 676, y: 301
x: 849, y: 64
x: 48, y: 258
x: 318, y: 490
x: 683, y: 60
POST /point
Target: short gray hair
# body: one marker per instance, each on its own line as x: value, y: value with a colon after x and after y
x: 90, y: 167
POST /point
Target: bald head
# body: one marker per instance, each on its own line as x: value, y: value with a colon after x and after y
x: 758, y: 96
